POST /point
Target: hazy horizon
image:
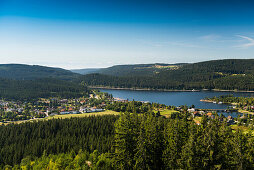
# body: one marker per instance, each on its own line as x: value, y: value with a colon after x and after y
x: 119, y: 64
x: 97, y: 34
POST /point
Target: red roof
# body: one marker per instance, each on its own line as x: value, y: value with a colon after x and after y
x: 209, y: 114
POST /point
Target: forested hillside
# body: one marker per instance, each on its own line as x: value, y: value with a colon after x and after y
x: 138, y: 69
x: 33, y: 89
x: 29, y: 72
x: 23, y: 82
x: 219, y: 74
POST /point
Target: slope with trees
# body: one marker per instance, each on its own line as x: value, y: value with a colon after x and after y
x: 138, y: 141
x: 218, y: 74
x: 47, y: 87
x: 55, y: 136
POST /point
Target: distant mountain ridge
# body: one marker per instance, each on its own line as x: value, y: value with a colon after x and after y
x: 130, y: 69
x: 138, y: 69
x: 29, y: 72
x: 229, y: 74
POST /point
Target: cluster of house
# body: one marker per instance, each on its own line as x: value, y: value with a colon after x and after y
x: 195, y: 113
x: 10, y: 106
x: 53, y: 106
x: 116, y: 99
x: 74, y: 109
x: 84, y: 109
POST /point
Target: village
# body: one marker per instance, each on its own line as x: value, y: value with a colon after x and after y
x: 45, y: 107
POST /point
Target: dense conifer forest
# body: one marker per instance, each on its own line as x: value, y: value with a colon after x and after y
x: 153, y: 142
x: 218, y: 74
x: 133, y: 141
x: 55, y: 136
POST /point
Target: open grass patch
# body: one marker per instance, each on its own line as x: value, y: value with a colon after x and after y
x: 197, y: 120
x: 166, y: 112
x: 107, y: 112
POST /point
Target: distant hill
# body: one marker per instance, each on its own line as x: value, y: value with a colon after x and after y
x: 29, y: 72
x: 139, y: 69
x: 46, y: 87
x: 227, y: 74
x: 85, y: 71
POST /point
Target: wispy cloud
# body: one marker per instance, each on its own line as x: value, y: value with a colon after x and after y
x: 170, y: 43
x: 246, y: 45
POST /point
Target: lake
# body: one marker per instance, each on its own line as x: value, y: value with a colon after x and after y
x: 176, y: 98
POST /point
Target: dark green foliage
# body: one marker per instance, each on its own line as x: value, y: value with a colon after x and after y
x: 32, y: 89
x: 141, y: 141
x: 149, y: 142
x: 231, y: 99
x: 132, y: 107
x: 55, y: 136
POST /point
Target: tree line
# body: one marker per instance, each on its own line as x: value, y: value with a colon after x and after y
x: 136, y: 106
x: 239, y: 82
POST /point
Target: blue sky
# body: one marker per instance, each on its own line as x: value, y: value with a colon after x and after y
x: 100, y: 33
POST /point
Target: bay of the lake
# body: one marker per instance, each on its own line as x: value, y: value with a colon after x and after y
x: 176, y: 98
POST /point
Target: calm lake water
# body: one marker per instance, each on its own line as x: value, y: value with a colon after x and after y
x: 176, y: 98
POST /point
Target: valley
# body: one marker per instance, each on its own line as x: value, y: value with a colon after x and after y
x: 71, y: 115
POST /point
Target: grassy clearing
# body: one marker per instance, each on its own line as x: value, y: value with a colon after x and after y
x: 19, y: 121
x: 107, y: 112
x: 166, y: 112
x: 242, y: 128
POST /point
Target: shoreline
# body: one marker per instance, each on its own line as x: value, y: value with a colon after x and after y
x: 168, y: 90
x: 245, y: 112
x: 212, y: 101
x: 233, y: 104
x: 206, y: 101
x: 140, y: 89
